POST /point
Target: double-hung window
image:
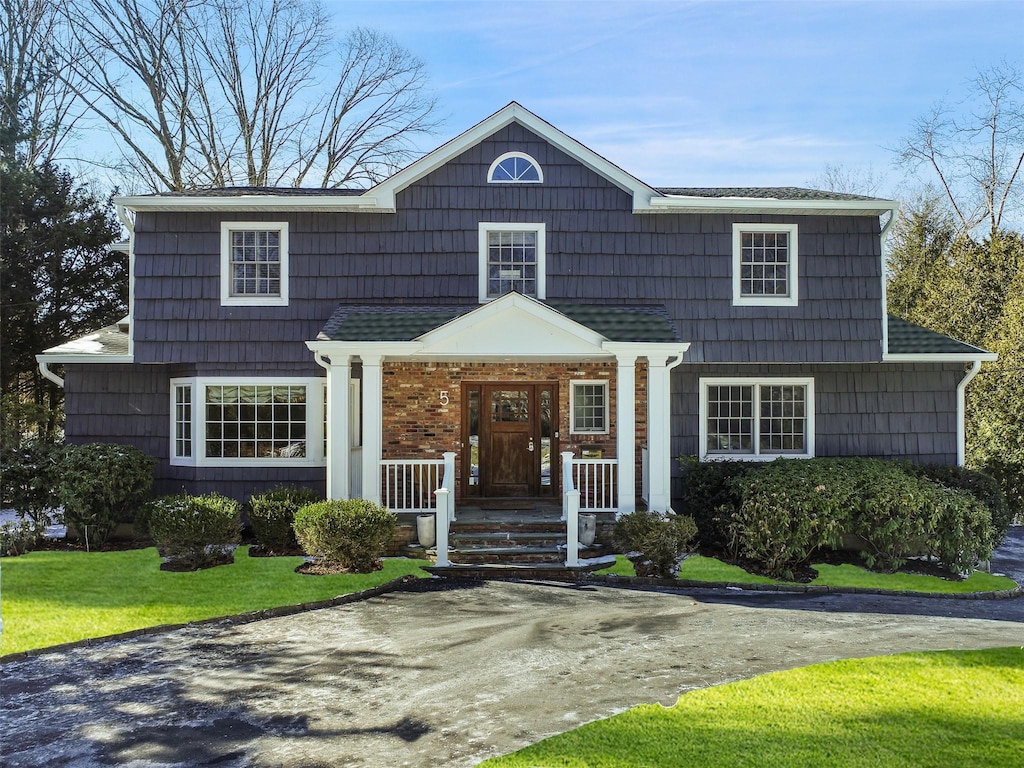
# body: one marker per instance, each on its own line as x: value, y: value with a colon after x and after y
x: 765, y: 262
x: 254, y: 263
x: 589, y: 407
x: 756, y: 418
x: 251, y: 422
x: 511, y: 259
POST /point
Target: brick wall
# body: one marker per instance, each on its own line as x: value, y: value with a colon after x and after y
x: 417, y: 424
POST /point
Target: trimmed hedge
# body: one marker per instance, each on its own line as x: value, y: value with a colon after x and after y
x: 195, y: 531
x: 353, y: 534
x: 272, y: 515
x: 778, y: 514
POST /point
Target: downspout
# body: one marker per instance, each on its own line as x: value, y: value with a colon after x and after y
x: 669, y: 367
x: 961, y: 413
x: 129, y: 224
x: 885, y: 298
x: 44, y: 368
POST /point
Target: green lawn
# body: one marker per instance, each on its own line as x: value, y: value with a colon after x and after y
x: 944, y: 709
x: 709, y: 569
x: 56, y: 597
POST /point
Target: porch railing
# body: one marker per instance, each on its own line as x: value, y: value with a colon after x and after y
x: 408, y: 485
x: 597, y: 482
x: 444, y: 512
x: 570, y: 511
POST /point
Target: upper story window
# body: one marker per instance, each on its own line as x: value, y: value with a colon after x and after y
x: 754, y: 419
x: 511, y: 259
x: 764, y: 265
x: 515, y: 168
x: 254, y: 263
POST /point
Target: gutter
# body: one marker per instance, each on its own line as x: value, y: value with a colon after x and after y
x: 885, y: 296
x: 961, y: 413
x: 129, y: 224
x: 44, y: 368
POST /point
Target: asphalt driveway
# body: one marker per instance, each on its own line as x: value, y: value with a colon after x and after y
x: 441, y: 677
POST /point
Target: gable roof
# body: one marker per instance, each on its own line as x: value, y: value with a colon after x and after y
x: 646, y: 324
x: 912, y: 342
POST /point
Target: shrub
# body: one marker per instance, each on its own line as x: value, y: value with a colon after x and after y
x: 962, y: 533
x: 28, y: 476
x: 983, y: 487
x: 272, y: 514
x: 711, y: 501
x: 195, y: 531
x: 1010, y: 476
x: 790, y: 508
x: 353, y: 534
x: 101, y: 485
x: 658, y: 541
x: 19, y: 538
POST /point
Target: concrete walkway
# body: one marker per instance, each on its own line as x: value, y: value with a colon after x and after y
x: 446, y: 676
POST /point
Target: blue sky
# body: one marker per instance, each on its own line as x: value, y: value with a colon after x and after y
x: 712, y: 93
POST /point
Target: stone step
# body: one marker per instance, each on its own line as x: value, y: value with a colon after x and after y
x: 492, y: 538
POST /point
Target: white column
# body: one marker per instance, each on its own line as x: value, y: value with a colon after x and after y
x: 339, y: 453
x: 659, y: 433
x: 625, y: 431
x: 373, y: 441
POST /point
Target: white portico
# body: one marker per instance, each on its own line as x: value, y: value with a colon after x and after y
x: 515, y: 345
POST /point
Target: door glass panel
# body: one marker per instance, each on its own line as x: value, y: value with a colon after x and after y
x: 545, y: 437
x: 510, y: 405
x: 474, y: 436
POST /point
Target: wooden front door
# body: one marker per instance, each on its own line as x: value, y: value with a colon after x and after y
x: 510, y: 429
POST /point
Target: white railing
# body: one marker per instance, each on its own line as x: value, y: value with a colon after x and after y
x: 408, y: 485
x: 645, y: 474
x: 444, y: 513
x: 570, y: 512
x: 597, y: 481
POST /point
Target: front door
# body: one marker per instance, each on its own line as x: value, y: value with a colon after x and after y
x: 510, y: 432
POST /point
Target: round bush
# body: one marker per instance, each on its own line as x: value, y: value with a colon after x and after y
x: 195, y: 531
x: 658, y: 541
x: 272, y: 515
x: 352, y: 534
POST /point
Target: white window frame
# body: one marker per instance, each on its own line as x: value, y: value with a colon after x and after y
x: 573, y: 429
x: 756, y: 383
x: 486, y: 227
x: 315, y: 388
x: 176, y: 458
x: 520, y: 156
x: 227, y: 299
x: 793, y: 297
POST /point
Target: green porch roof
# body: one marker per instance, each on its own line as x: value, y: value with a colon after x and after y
x: 650, y: 324
x: 909, y: 339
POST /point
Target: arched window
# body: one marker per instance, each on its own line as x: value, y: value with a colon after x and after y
x: 515, y: 168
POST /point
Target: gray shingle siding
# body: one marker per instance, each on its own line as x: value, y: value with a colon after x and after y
x: 598, y: 250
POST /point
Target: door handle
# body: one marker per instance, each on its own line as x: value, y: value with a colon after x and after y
x: 530, y: 446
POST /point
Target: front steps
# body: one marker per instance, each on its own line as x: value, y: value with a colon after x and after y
x: 533, y: 537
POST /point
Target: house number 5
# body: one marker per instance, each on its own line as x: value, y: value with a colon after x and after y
x: 444, y: 397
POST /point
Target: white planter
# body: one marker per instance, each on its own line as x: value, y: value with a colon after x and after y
x: 426, y: 530
x: 588, y: 529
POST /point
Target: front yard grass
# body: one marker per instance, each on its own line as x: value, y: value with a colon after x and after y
x: 57, y: 597
x: 699, y: 568
x: 942, y: 709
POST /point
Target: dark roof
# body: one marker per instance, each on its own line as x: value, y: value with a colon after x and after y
x: 909, y: 339
x: 763, y: 193
x: 405, y: 323
x: 110, y: 340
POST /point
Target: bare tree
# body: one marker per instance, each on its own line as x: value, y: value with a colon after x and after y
x: 861, y: 180
x: 39, y: 108
x: 975, y: 148
x: 227, y: 92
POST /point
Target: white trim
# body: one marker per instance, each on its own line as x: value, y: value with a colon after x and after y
x: 314, y: 420
x: 519, y: 156
x: 792, y: 298
x: 941, y: 357
x: 769, y: 205
x: 756, y: 383
x: 99, y: 357
x: 884, y: 251
x: 176, y: 460
x: 129, y: 224
x: 254, y: 300
x: 485, y: 228
x: 572, y: 406
x: 249, y: 203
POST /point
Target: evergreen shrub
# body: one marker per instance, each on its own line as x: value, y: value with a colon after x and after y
x: 352, y: 534
x: 272, y: 515
x: 195, y: 531
x: 656, y: 543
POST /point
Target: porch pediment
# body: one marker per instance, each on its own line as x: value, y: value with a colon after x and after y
x: 512, y: 326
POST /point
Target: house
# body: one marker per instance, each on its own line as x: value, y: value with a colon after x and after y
x: 519, y: 307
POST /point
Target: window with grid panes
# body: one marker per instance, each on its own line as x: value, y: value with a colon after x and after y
x: 765, y: 260
x: 511, y: 259
x: 754, y: 419
x: 590, y: 406
x: 254, y: 263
